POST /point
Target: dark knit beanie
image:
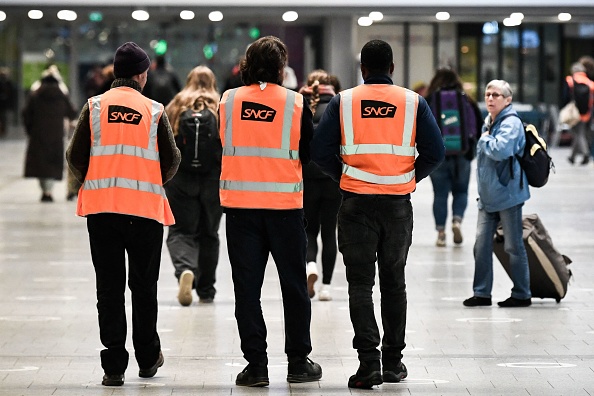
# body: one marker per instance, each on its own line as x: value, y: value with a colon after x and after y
x: 130, y: 60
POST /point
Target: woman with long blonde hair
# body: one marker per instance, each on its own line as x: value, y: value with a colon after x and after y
x: 193, y: 241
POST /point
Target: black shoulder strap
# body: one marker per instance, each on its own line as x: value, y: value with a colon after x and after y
x: 511, y: 158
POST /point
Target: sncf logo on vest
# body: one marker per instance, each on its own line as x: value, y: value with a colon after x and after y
x: 123, y: 114
x: 257, y: 112
x: 377, y: 109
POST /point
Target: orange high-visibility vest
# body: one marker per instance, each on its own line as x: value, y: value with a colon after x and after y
x: 582, y: 78
x: 378, y: 124
x: 124, y: 173
x: 260, y: 131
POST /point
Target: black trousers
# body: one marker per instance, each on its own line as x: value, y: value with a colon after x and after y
x: 252, y: 235
x: 376, y: 228
x: 111, y: 237
x: 193, y: 241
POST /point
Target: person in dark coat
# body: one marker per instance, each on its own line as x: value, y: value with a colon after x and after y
x: 43, y: 117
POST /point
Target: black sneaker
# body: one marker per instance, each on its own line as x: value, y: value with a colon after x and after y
x: 151, y: 371
x: 395, y: 373
x: 253, y: 375
x: 477, y: 302
x: 303, y: 370
x: 515, y: 303
x: 113, y: 380
x: 367, y: 375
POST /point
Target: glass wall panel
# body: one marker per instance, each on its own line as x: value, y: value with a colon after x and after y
x: 551, y: 64
x: 469, y: 47
x: 421, y: 54
x: 531, y: 42
x: 510, y: 43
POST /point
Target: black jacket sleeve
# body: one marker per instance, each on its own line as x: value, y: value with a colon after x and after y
x: 306, y: 134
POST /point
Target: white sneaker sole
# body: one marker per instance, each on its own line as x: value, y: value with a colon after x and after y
x: 184, y: 296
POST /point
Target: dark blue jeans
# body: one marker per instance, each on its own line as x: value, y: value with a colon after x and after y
x: 253, y: 234
x: 193, y: 241
x: 452, y: 176
x: 112, y: 236
x: 376, y: 228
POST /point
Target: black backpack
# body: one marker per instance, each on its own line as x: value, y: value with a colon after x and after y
x: 535, y: 160
x: 199, y: 141
x: 581, y: 96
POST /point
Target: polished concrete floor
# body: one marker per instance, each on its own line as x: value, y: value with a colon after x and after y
x: 49, y: 342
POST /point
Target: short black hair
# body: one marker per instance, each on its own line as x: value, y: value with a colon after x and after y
x: 377, y: 56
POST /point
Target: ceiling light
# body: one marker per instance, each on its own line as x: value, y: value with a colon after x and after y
x: 491, y: 27
x: 35, y: 14
x: 187, y: 15
x: 376, y: 16
x: 290, y: 16
x: 442, y: 16
x: 67, y: 15
x: 365, y: 21
x: 517, y: 15
x: 215, y: 16
x: 511, y: 22
x: 564, y: 16
x: 140, y: 15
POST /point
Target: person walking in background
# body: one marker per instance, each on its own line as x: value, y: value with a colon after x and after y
x: 321, y: 195
x: 162, y: 84
x: 266, y: 130
x: 502, y: 189
x: 374, y: 129
x: 7, y: 98
x: 460, y: 122
x: 43, y: 115
x: 123, y: 151
x: 579, y: 88
x: 193, y: 193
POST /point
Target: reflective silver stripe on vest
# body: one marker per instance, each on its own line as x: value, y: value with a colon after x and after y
x: 409, y: 118
x: 125, y: 150
x: 346, y: 100
x: 229, y: 118
x: 261, y: 152
x: 288, y: 120
x: 377, y: 149
x: 261, y: 186
x: 155, y: 112
x: 95, y: 109
x: 124, y: 183
x: 377, y: 179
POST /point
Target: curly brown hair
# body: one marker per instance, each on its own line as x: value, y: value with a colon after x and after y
x: 200, y: 92
x: 265, y: 61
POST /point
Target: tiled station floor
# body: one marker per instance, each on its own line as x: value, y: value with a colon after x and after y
x: 49, y: 341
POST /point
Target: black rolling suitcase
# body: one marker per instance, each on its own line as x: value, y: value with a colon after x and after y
x: 549, y: 274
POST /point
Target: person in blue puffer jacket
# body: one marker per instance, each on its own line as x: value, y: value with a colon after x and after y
x: 502, y: 194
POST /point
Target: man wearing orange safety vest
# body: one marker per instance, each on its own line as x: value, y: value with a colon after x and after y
x: 579, y: 88
x: 367, y: 139
x: 123, y: 151
x: 266, y: 130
